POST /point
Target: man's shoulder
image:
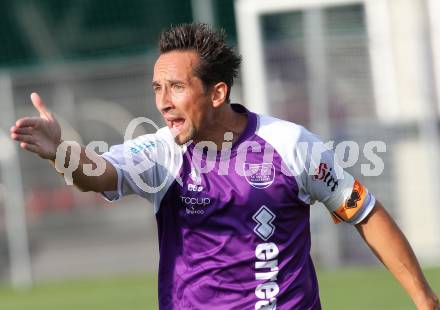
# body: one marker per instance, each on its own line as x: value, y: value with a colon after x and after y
x: 161, y: 140
x: 162, y: 135
x: 281, y: 132
x: 292, y: 142
x: 165, y: 134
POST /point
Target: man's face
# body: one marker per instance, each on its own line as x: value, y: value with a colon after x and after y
x: 180, y: 95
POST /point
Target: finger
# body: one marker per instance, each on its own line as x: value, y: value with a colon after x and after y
x: 23, y: 138
x: 39, y: 105
x: 29, y: 147
x: 22, y: 130
x: 27, y: 122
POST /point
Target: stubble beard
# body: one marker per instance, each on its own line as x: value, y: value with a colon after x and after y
x: 184, y: 137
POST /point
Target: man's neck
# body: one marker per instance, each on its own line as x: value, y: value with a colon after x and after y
x: 226, y: 120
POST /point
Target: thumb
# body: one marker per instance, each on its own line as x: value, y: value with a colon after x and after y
x: 39, y: 105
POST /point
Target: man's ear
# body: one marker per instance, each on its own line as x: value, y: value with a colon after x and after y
x: 219, y: 92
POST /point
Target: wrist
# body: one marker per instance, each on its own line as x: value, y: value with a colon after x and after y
x: 428, y: 301
x: 53, y: 156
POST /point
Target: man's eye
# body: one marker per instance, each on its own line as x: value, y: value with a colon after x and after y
x: 178, y: 86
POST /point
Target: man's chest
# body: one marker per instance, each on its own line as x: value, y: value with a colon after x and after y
x: 235, y: 198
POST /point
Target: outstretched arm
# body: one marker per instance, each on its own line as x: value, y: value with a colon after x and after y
x: 42, y: 136
x: 389, y: 244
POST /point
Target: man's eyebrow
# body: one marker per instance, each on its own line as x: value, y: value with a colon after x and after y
x: 156, y: 83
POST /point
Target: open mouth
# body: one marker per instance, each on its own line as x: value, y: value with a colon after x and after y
x: 177, y: 125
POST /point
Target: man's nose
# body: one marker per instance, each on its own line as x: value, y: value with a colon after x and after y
x: 164, y: 102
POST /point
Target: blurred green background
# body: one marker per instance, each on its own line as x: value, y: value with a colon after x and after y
x: 348, y: 289
x: 55, y: 32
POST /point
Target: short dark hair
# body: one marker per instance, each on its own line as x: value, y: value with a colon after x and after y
x: 217, y: 61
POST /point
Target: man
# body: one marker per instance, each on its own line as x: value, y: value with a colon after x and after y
x: 231, y: 189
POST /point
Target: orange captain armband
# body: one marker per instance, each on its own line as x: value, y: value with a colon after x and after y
x: 352, y: 204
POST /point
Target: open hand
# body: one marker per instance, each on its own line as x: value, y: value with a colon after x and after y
x: 40, y: 135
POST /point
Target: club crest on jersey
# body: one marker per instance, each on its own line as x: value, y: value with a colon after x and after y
x: 259, y: 175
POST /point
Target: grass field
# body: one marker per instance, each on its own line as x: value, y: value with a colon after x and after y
x: 358, y: 289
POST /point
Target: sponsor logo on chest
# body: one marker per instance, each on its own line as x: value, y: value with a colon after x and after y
x: 325, y: 174
x: 266, y: 264
x: 195, y: 205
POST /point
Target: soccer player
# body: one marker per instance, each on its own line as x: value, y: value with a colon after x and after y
x: 231, y: 189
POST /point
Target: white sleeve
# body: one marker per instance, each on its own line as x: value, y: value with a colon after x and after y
x: 143, y: 166
x: 321, y: 178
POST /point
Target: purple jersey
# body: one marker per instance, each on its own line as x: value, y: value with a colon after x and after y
x: 234, y: 230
